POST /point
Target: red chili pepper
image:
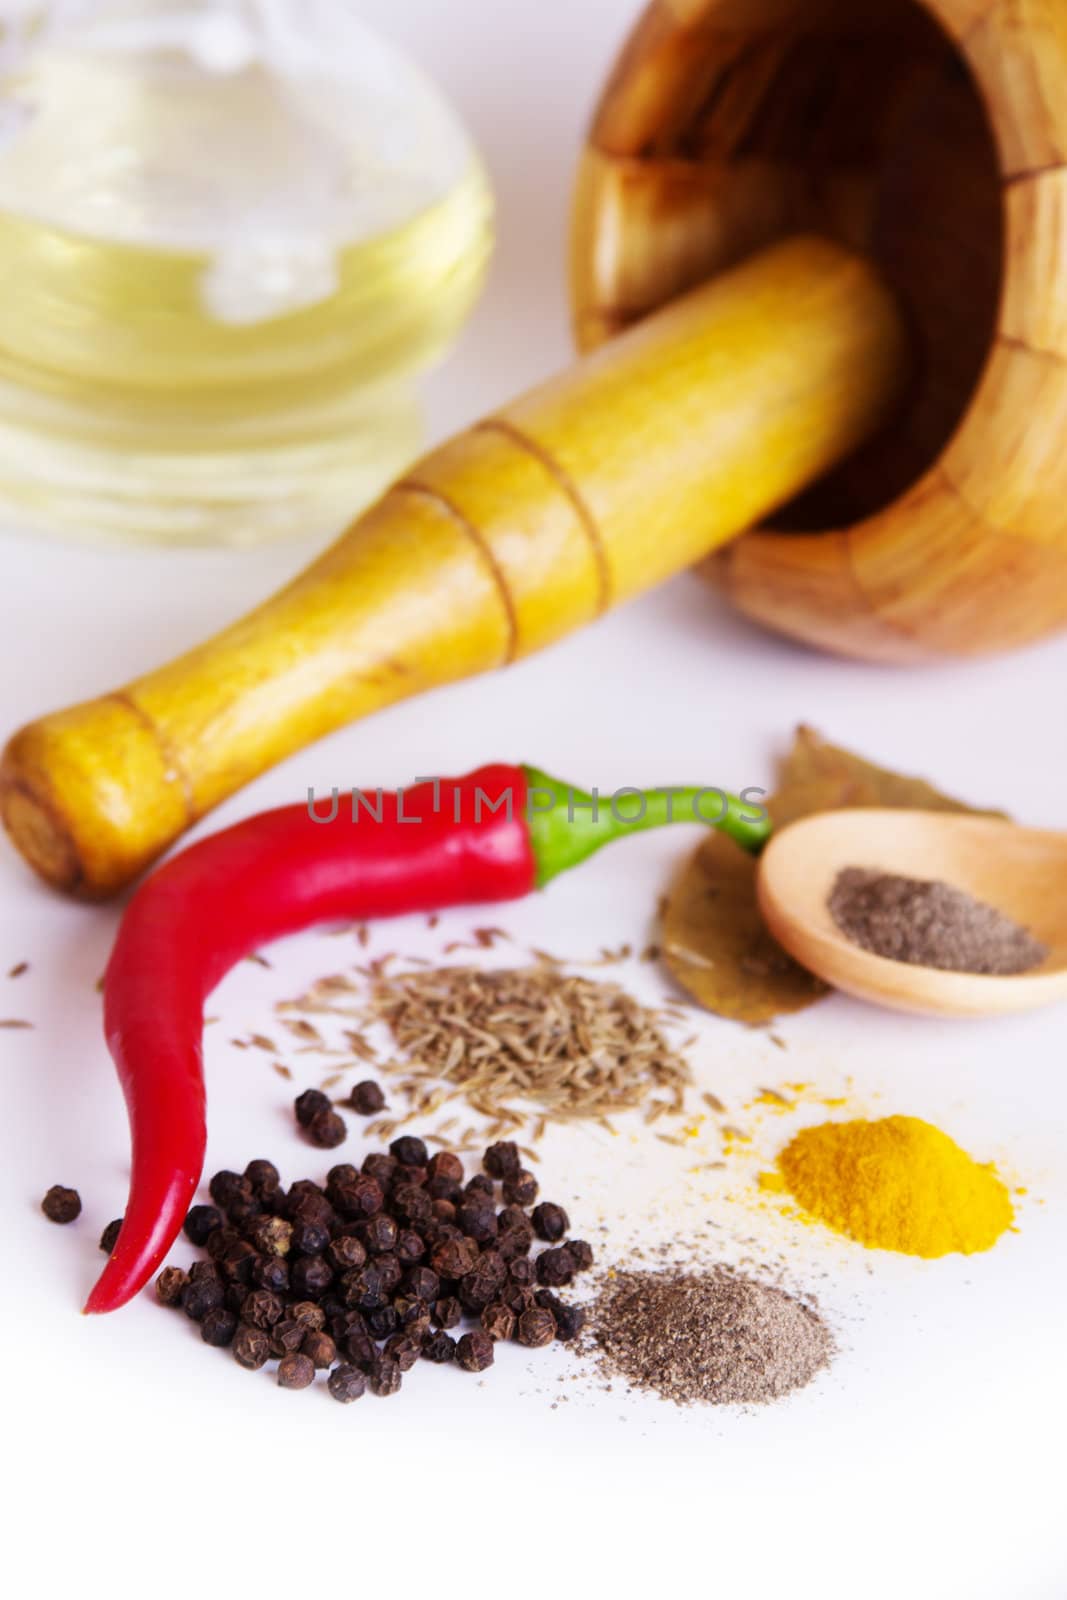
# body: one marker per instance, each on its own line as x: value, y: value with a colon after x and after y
x: 494, y: 835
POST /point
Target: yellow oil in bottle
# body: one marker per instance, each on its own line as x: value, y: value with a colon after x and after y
x: 215, y: 295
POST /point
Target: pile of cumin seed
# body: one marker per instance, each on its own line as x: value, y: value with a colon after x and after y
x: 520, y: 1046
x: 572, y: 1046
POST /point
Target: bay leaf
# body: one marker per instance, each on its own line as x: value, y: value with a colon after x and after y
x: 716, y: 946
x: 817, y: 776
x: 714, y: 940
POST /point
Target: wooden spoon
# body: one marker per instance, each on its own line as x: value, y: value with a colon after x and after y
x: 1020, y: 871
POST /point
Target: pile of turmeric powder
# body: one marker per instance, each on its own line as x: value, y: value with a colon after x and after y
x: 895, y: 1184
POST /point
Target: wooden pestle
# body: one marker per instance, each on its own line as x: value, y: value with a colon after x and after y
x: 634, y: 464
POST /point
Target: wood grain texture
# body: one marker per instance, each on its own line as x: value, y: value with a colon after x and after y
x: 1034, y: 308
x: 1017, y: 52
x: 934, y: 138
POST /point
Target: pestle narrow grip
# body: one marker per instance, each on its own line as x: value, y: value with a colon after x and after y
x: 622, y: 471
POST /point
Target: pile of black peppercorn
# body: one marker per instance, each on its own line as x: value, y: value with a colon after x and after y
x: 374, y: 1270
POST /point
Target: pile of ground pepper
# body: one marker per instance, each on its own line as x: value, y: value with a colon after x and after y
x: 714, y: 1336
x: 930, y: 924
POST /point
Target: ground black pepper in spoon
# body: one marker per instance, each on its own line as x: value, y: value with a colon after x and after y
x: 927, y: 923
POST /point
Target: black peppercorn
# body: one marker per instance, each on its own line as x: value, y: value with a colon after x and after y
x: 235, y: 1297
x: 409, y: 1151
x: 535, y: 1328
x: 517, y: 1297
x: 391, y: 1270
x: 474, y: 1352
x: 447, y: 1312
x: 422, y: 1283
x: 435, y: 1233
x: 244, y: 1211
x: 271, y: 1272
x: 308, y: 1313
x: 327, y: 1130
x: 360, y: 1348
x: 319, y: 1349
x: 200, y: 1271
x: 314, y: 1208
x: 555, y: 1268
x: 439, y: 1347
x: 110, y: 1236
x: 364, y: 1290
x: 385, y: 1376
x: 251, y: 1347
x: 344, y: 1323
x: 200, y: 1224
x: 411, y: 1203
x: 502, y: 1160
x: 521, y: 1190
x: 550, y: 1222
x: 310, y: 1238
x: 455, y: 1258
x: 367, y: 1098
x: 581, y: 1254
x: 444, y: 1165
x: 382, y: 1322
x: 514, y: 1244
x: 481, y: 1185
x: 261, y: 1309
x: 409, y: 1309
x: 498, y: 1321
x: 380, y: 1167
x: 286, y: 1337
x: 61, y: 1205
x: 220, y: 1241
x: 295, y: 1372
x: 272, y: 1236
x: 310, y: 1276
x: 346, y: 1254
x: 409, y: 1247
x: 226, y: 1186
x: 346, y: 1384
x: 378, y: 1234
x: 238, y: 1264
x: 344, y: 1172
x: 476, y: 1291
x: 403, y: 1349
x: 478, y: 1221
x: 522, y: 1271
x: 218, y: 1328
x: 309, y: 1105
x: 265, y: 1180
x: 201, y: 1296
x: 364, y: 1198
x: 570, y: 1320
x: 169, y: 1286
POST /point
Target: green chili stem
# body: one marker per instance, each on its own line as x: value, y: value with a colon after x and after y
x: 567, y: 825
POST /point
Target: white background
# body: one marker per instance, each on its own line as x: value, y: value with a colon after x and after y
x: 928, y: 1461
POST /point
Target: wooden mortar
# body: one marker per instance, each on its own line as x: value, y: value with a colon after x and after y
x: 730, y: 133
x: 933, y: 139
